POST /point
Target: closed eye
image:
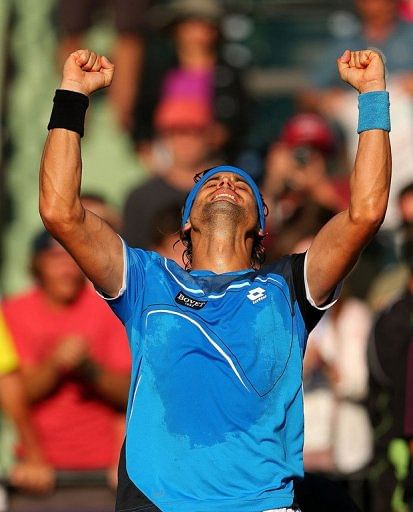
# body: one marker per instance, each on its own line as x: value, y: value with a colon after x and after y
x: 211, y: 182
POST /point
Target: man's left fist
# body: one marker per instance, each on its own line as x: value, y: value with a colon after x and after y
x: 364, y: 70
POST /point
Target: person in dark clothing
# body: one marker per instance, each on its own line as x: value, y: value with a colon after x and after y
x: 183, y: 131
x: 389, y: 347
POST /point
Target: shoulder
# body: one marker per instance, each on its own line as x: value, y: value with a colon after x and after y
x: 285, y: 266
x: 22, y: 301
x: 149, y: 263
x: 287, y: 271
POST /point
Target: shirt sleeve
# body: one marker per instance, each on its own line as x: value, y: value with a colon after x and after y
x: 310, y: 311
x: 135, y: 262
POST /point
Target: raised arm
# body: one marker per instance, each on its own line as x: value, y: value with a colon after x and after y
x: 93, y: 244
x: 339, y: 243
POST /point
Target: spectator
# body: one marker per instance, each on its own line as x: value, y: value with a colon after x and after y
x: 341, y: 344
x: 408, y: 423
x: 388, y: 355
x: 165, y: 226
x: 391, y: 282
x: 297, y: 188
x: 198, y: 72
x: 74, y: 362
x: 183, y: 129
x: 75, y: 17
x: 381, y: 28
x: 30, y: 473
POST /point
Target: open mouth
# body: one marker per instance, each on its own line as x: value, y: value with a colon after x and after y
x: 225, y: 196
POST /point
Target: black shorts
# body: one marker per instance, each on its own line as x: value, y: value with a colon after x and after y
x: 129, y: 498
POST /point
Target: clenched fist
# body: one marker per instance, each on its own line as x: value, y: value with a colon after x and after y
x: 86, y: 72
x: 364, y: 70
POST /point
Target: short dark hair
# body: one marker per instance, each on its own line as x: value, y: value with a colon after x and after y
x: 258, y: 249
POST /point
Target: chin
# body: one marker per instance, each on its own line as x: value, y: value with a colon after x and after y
x: 223, y: 210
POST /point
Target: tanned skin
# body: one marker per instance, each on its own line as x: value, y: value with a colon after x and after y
x: 222, y: 240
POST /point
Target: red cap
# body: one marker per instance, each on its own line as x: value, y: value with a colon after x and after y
x: 308, y: 130
x: 182, y: 113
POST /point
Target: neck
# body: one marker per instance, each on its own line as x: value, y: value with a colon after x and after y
x: 196, y: 57
x: 221, y: 250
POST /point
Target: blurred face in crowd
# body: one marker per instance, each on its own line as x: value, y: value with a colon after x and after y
x: 377, y: 10
x: 196, y: 33
x: 188, y: 146
x: 406, y: 208
x: 58, y: 275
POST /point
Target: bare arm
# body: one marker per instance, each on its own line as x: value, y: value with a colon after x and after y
x: 93, y: 244
x: 71, y: 355
x: 32, y: 473
x: 339, y: 243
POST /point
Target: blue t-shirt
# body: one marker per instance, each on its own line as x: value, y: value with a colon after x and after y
x: 215, y: 413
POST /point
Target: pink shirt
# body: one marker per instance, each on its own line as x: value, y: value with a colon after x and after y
x: 188, y: 84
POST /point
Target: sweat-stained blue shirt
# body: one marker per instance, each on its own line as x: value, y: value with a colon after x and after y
x: 215, y: 413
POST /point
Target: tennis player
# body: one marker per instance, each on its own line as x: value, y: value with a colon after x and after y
x: 215, y: 415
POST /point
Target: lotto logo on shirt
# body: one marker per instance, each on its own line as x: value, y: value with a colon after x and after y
x: 183, y: 299
x: 256, y: 295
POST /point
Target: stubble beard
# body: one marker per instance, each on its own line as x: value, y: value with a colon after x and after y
x: 223, y: 215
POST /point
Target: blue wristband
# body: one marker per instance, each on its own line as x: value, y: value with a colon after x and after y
x: 374, y: 111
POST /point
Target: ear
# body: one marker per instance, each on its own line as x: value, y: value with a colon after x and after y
x: 187, y: 227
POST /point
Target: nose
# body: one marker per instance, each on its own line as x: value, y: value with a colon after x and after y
x: 227, y: 182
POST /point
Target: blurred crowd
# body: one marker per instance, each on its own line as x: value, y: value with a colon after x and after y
x: 64, y: 357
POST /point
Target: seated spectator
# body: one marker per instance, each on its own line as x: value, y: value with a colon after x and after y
x: 74, y: 360
x: 75, y: 17
x: 30, y: 473
x: 389, y: 348
x: 198, y: 72
x: 183, y: 139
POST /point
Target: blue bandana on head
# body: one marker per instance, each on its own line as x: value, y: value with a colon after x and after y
x: 225, y: 168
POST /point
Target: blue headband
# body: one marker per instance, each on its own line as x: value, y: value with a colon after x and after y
x: 225, y: 168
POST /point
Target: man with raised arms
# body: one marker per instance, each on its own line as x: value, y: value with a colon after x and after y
x: 215, y: 419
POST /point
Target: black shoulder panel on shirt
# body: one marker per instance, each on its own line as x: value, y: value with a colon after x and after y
x: 292, y: 269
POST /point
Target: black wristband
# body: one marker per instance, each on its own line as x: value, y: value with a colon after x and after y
x: 69, y: 110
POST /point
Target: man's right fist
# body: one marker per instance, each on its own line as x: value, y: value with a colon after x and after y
x: 86, y: 72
